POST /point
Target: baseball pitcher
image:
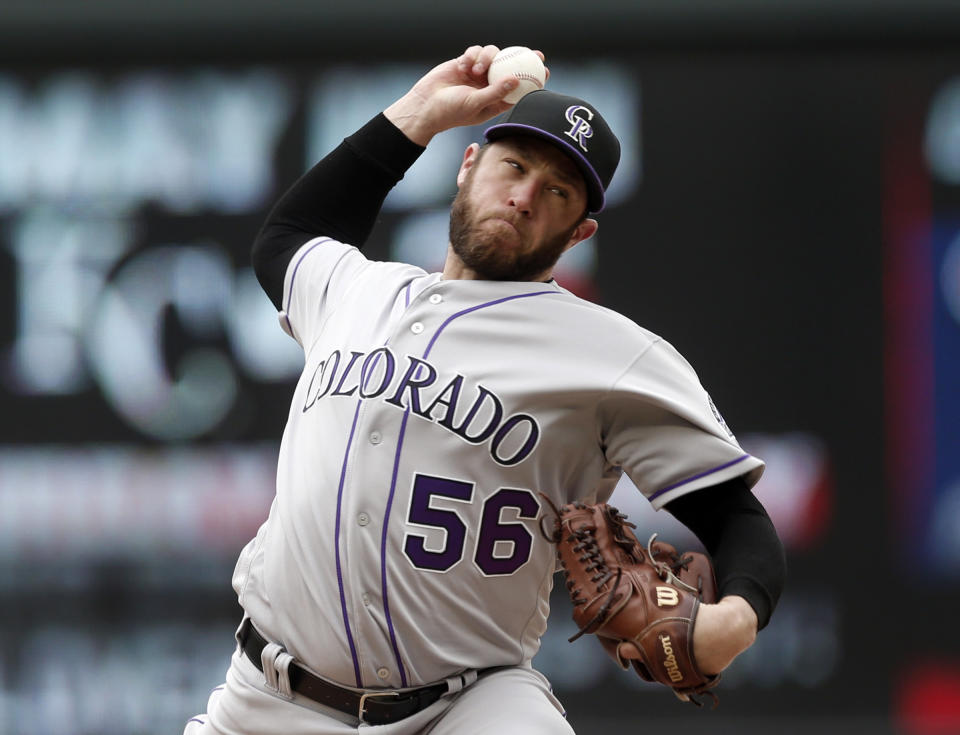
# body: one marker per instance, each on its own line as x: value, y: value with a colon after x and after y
x: 452, y: 441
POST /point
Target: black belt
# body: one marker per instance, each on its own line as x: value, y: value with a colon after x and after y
x: 374, y: 708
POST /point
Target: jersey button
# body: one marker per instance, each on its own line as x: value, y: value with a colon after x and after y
x: 363, y: 519
x: 375, y: 437
x: 436, y: 298
x: 383, y: 672
x: 366, y: 599
x: 416, y: 327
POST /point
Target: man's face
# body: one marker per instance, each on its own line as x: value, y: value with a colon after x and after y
x: 521, y: 204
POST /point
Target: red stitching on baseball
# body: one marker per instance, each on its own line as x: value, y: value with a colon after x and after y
x: 525, y: 75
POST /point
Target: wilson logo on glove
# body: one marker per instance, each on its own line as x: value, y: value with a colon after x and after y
x: 667, y: 597
x: 670, y: 662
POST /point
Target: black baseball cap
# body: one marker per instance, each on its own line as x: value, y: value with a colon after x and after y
x: 575, y: 127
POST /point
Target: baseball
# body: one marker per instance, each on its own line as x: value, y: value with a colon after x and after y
x: 519, y: 62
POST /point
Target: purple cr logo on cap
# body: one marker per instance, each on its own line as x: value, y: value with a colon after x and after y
x: 580, y: 126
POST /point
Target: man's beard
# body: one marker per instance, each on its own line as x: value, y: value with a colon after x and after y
x: 482, y: 252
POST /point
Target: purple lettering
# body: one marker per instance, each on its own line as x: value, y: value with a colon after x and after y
x: 482, y: 436
x: 369, y: 368
x: 412, y: 382
x: 322, y: 369
x: 448, y: 397
x: 343, y: 378
x: 523, y: 452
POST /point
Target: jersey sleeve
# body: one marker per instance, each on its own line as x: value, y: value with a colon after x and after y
x: 662, y: 428
x: 316, y: 281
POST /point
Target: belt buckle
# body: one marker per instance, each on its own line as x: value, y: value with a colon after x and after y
x: 370, y: 695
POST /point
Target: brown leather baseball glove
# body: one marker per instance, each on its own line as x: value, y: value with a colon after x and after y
x: 624, y: 593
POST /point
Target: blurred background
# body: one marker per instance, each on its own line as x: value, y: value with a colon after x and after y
x: 787, y: 214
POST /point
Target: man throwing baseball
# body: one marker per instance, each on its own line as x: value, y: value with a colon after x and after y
x: 401, y: 580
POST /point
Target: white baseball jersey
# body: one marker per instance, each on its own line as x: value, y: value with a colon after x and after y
x: 402, y: 546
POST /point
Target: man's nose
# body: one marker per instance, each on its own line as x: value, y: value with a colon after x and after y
x: 523, y: 197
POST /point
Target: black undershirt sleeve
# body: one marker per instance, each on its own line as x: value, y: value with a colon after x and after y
x: 734, y: 527
x: 340, y: 197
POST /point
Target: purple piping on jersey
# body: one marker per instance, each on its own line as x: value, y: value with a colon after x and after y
x: 383, y: 550
x: 408, y: 295
x: 697, y: 477
x: 443, y: 326
x: 294, y: 275
x: 396, y: 469
x: 336, y: 536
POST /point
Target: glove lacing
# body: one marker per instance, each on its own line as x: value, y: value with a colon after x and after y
x: 668, y: 572
x: 586, y: 542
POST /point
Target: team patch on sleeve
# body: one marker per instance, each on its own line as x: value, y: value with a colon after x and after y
x: 719, y: 417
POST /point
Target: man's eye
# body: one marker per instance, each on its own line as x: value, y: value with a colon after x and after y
x: 515, y: 164
x: 559, y: 191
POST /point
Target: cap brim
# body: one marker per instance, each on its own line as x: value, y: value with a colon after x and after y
x: 595, y: 193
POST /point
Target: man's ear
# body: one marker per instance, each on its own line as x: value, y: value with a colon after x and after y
x: 469, y: 159
x: 584, y: 231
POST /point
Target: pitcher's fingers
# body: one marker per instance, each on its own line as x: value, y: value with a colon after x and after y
x: 491, y: 96
x: 469, y: 59
x: 476, y: 61
x: 469, y: 54
x: 485, y: 59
